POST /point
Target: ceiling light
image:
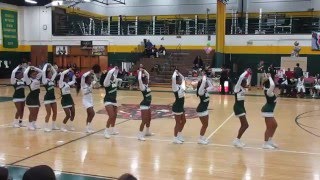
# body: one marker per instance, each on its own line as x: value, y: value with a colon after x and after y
x: 57, y: 3
x: 31, y: 1
x: 86, y: 0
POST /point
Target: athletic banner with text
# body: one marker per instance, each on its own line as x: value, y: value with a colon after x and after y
x: 9, y: 21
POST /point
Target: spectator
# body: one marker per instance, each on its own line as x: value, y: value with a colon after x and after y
x: 260, y: 72
x: 197, y: 63
x: 148, y: 48
x: 316, y: 87
x: 162, y: 50
x: 154, y: 51
x: 131, y: 81
x: 283, y: 84
x: 4, y: 173
x: 300, y: 86
x: 272, y: 71
x: 39, y: 172
x: 224, y: 77
x: 297, y: 71
x: 127, y: 176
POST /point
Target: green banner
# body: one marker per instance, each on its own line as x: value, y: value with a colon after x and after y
x: 9, y: 21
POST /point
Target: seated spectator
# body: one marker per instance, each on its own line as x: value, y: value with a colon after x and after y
x: 300, y: 86
x: 283, y: 85
x: 197, y: 63
x: 154, y: 51
x: 127, y: 176
x: 110, y: 67
x: 39, y: 172
x: 162, y: 50
x: 131, y: 81
x: 316, y: 87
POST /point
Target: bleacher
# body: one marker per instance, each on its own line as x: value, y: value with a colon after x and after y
x: 182, y: 59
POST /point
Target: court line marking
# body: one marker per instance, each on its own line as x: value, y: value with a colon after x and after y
x: 211, y: 144
x: 60, y: 145
x: 225, y: 145
x: 223, y: 123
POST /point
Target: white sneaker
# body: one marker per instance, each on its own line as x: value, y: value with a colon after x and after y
x: 272, y: 143
x: 47, y: 129
x: 16, y: 124
x: 114, y: 132
x: 106, y: 134
x: 180, y: 137
x: 141, y: 137
x: 22, y: 124
x: 87, y: 130
x: 71, y: 127
x: 34, y: 125
x: 177, y: 141
x: 31, y: 127
x: 202, y: 141
x: 55, y: 127
x: 237, y: 143
x: 149, y: 134
x: 64, y: 128
x: 266, y: 145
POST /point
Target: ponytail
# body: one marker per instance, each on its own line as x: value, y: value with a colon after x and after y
x: 78, y: 84
x: 198, y: 87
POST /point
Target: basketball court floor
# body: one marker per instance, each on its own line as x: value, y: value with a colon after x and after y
x: 77, y: 155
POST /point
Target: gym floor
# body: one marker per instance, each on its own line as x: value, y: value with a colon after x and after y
x: 91, y: 156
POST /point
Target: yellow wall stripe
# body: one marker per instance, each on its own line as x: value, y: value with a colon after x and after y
x: 305, y: 50
x: 21, y: 48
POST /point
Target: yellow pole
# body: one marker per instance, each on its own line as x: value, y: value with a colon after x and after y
x: 220, y: 34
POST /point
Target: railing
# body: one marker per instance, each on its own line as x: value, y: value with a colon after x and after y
x: 71, y: 24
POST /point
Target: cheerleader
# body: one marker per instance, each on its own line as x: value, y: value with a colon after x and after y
x: 267, y: 113
x: 202, y: 109
x: 66, y: 100
x: 316, y: 87
x: 178, y: 88
x: 238, y: 107
x: 18, y: 95
x: 110, y: 101
x: 48, y: 77
x: 32, y: 76
x: 87, y: 100
x: 143, y: 78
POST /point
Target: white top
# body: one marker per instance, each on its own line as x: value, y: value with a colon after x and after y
x: 46, y: 80
x: 300, y: 82
x: 176, y: 87
x: 285, y: 82
x: 202, y: 89
x: 65, y: 87
x: 142, y: 86
x: 85, y: 88
x: 13, y: 79
x: 107, y: 80
x: 271, y: 88
x: 34, y: 84
x: 238, y: 89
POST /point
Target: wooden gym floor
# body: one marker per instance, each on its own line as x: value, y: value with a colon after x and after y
x: 157, y: 158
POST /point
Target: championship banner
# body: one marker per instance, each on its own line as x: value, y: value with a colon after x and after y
x: 9, y: 21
